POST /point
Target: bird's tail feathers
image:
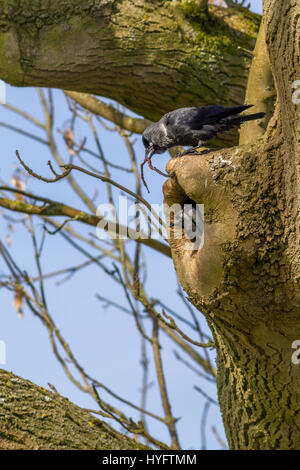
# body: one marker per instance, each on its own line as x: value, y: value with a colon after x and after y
x: 232, y: 121
x: 250, y: 117
x: 237, y: 109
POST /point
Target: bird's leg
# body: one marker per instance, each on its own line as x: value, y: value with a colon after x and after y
x: 208, y: 150
x: 186, y: 152
x: 193, y: 150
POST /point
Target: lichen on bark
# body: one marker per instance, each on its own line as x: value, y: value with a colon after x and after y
x: 35, y: 418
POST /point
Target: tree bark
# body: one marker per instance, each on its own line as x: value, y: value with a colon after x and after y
x: 246, y: 277
x: 33, y: 418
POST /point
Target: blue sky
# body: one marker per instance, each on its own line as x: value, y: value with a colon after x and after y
x: 104, y: 340
x: 256, y: 5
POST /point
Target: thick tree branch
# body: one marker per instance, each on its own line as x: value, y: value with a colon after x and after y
x: 108, y: 112
x: 53, y: 208
x: 131, y: 52
x: 34, y: 418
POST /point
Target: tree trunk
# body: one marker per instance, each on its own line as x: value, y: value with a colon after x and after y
x: 33, y: 418
x: 246, y: 277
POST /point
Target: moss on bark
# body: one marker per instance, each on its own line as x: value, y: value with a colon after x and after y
x: 34, y: 418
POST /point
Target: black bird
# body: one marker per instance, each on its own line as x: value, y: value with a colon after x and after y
x: 191, y: 127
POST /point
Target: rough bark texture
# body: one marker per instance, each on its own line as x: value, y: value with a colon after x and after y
x: 246, y: 277
x: 33, y: 418
x: 151, y: 56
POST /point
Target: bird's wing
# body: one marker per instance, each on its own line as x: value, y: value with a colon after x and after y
x: 196, y: 118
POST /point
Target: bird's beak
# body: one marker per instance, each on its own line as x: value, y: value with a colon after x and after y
x: 148, y: 150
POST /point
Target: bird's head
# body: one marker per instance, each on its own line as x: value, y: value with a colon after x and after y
x: 152, y: 140
x: 153, y: 143
x: 148, y: 145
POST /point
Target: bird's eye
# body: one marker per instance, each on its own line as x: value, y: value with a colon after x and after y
x: 145, y: 142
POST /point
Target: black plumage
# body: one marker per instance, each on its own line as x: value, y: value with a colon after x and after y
x: 192, y: 127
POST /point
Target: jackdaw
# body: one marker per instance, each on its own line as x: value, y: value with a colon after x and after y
x: 191, y: 127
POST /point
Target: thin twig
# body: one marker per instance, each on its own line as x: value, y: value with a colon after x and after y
x: 205, y: 395
x: 171, y: 421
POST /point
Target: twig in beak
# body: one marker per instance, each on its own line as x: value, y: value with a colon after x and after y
x: 156, y: 169
x: 142, y: 167
x: 148, y: 159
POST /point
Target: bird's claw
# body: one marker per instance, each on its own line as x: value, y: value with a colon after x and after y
x: 194, y: 151
x: 187, y: 152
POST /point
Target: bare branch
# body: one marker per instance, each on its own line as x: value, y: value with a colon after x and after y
x: 26, y: 116
x: 163, y: 388
x: 96, y: 106
x: 53, y: 208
